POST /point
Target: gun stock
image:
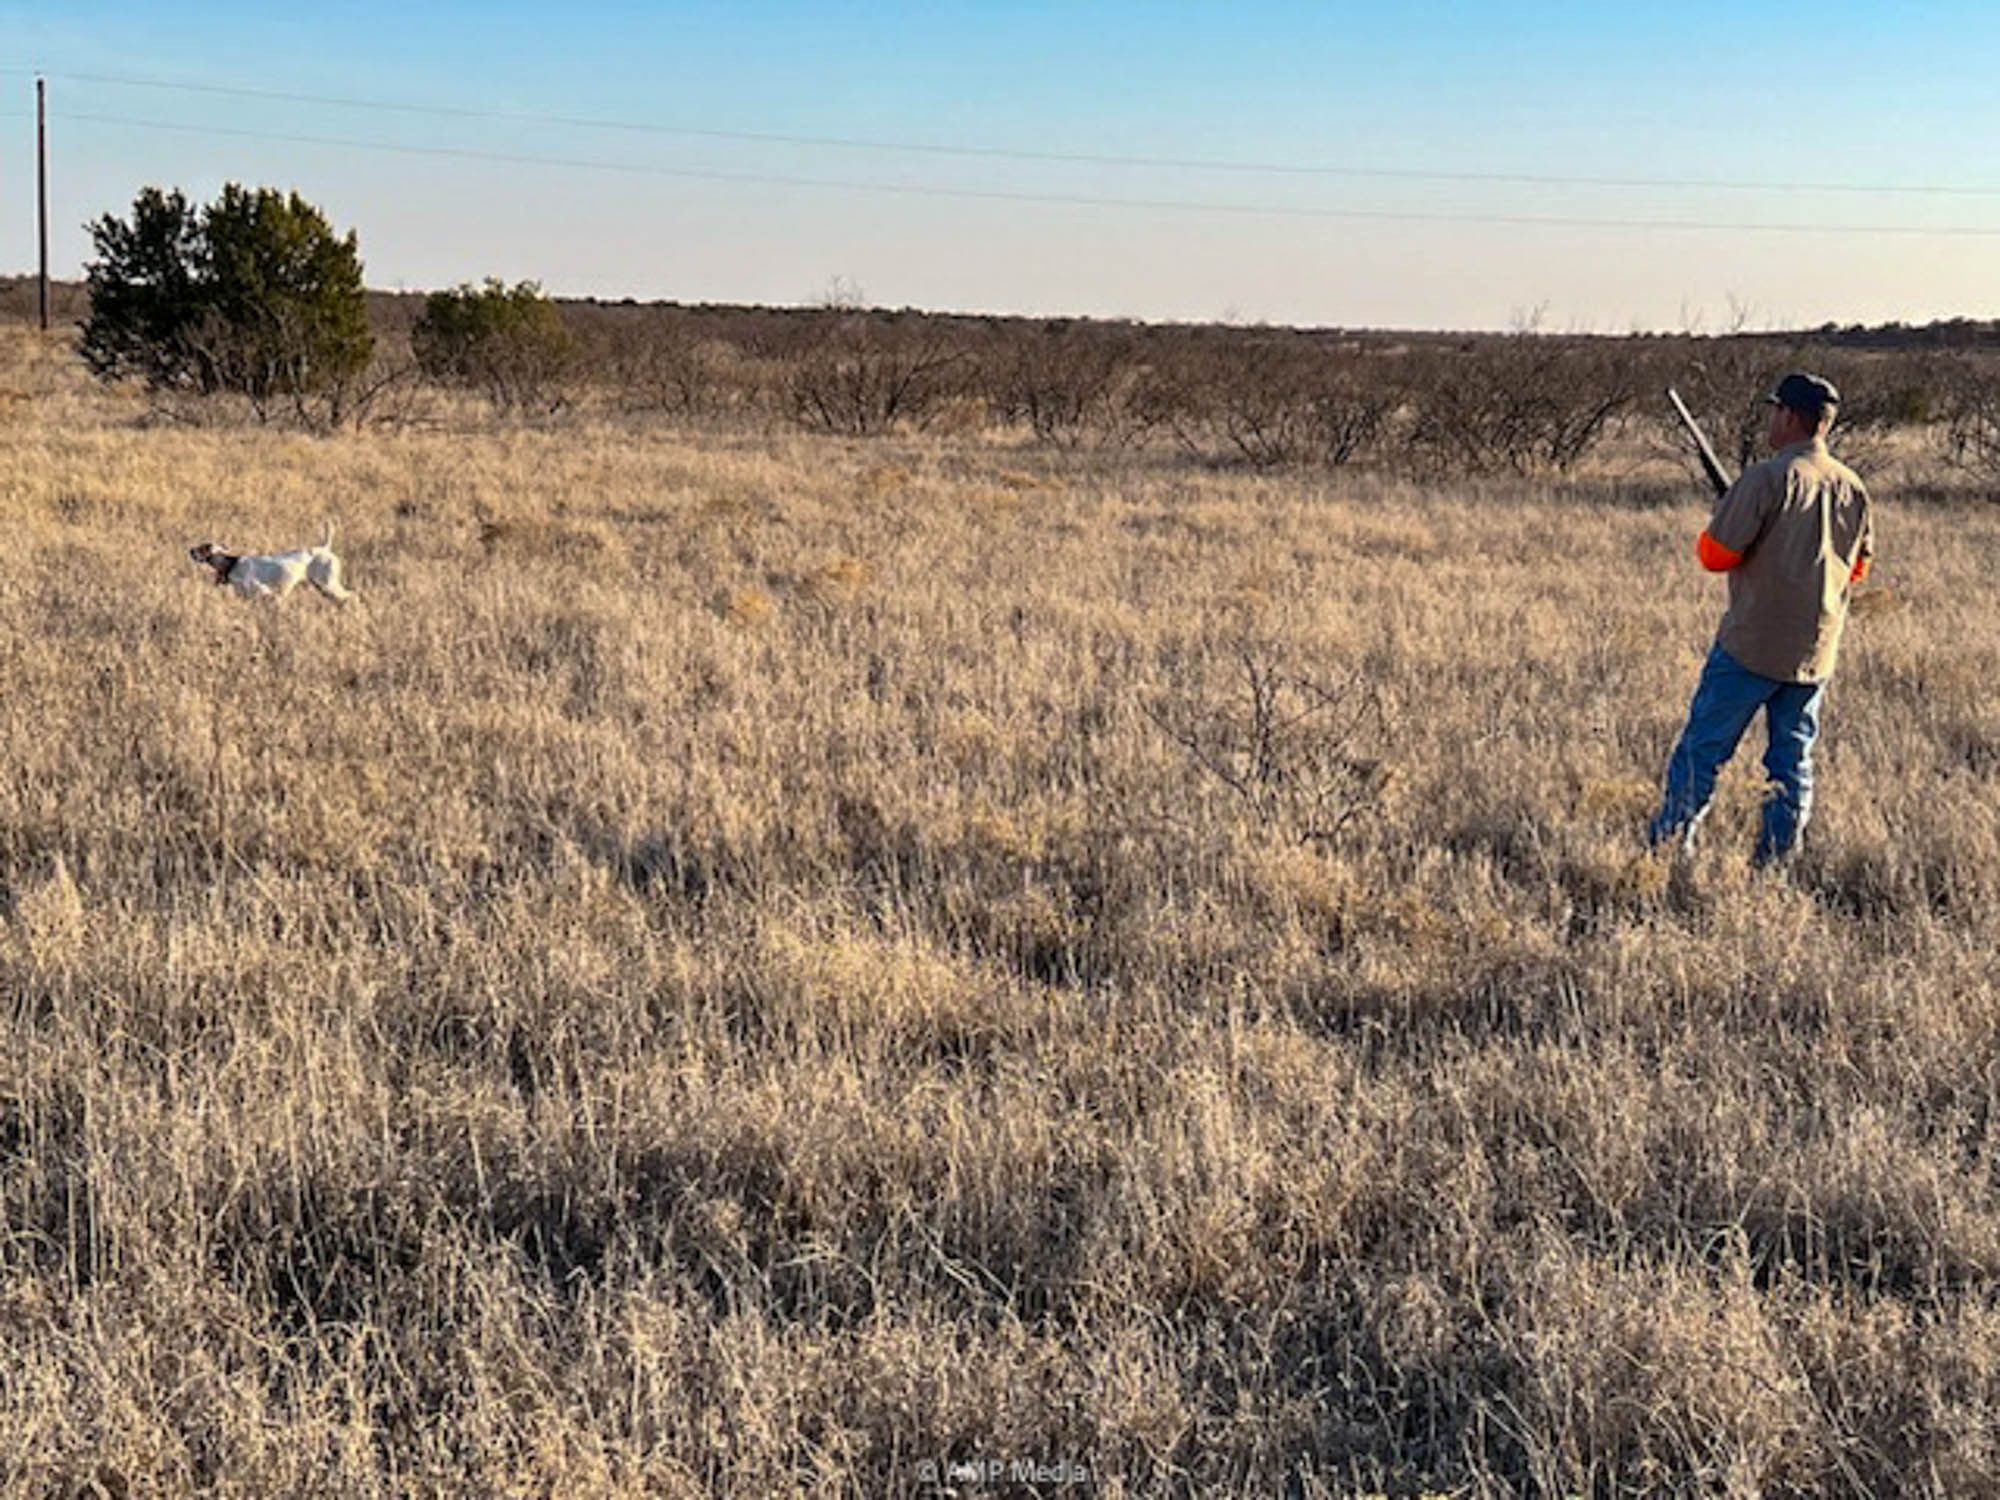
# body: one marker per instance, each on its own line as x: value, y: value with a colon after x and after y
x: 1711, y: 465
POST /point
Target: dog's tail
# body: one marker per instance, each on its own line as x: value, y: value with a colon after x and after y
x: 328, y: 543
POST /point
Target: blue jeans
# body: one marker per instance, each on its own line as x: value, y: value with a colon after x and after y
x: 1725, y: 701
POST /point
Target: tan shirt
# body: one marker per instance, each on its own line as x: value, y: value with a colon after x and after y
x: 1801, y: 520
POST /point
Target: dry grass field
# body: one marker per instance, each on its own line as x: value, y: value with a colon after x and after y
x: 749, y: 964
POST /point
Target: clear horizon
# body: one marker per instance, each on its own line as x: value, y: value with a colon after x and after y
x: 1469, y: 167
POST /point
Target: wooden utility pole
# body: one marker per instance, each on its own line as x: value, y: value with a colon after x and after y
x: 42, y: 188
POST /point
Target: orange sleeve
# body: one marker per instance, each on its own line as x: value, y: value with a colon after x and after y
x: 1860, y: 573
x: 1713, y: 555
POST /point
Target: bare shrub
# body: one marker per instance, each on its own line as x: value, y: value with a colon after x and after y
x: 1722, y: 381
x: 386, y: 391
x: 1280, y: 401
x: 20, y: 301
x: 1525, y: 404
x: 657, y: 359
x: 1307, y: 408
x: 1972, y: 441
x: 1298, y: 753
x: 1072, y: 383
x: 1892, y: 403
x: 858, y: 376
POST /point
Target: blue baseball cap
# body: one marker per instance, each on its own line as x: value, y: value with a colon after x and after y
x: 1809, y: 395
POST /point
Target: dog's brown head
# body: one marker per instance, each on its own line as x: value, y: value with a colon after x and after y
x: 211, y: 556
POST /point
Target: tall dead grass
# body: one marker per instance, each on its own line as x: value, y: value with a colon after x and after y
x: 713, y: 978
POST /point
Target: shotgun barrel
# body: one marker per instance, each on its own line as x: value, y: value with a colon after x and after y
x: 1710, y: 464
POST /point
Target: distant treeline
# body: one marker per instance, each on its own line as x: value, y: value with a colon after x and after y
x: 1423, y: 404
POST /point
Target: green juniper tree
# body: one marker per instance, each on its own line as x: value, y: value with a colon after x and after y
x: 254, y: 294
x: 145, y: 299
x: 509, y: 342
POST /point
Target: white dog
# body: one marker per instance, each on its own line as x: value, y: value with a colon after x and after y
x: 273, y: 575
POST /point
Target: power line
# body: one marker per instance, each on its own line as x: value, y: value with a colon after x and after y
x: 1176, y: 205
x: 1073, y: 158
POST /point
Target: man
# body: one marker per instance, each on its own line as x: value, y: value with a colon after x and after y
x: 1793, y: 534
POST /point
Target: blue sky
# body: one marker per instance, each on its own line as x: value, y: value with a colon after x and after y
x: 1807, y: 103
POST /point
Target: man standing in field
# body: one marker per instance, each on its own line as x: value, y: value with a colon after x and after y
x: 1793, y: 534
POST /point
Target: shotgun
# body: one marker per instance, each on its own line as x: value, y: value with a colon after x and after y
x: 1710, y: 464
